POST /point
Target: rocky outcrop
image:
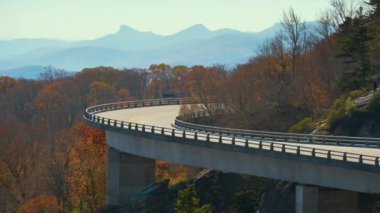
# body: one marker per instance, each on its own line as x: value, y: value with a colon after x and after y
x: 152, y: 198
x: 364, y: 121
x: 279, y: 197
x: 218, y: 189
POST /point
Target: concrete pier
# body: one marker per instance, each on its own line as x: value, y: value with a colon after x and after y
x: 313, y: 199
x: 127, y: 174
x: 307, y: 199
x: 336, y: 201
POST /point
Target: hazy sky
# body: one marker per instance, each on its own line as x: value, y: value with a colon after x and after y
x: 87, y: 19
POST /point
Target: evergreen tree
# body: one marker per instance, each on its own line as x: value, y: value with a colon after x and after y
x: 187, y: 202
x: 374, y: 29
x: 354, y: 38
x: 376, y: 6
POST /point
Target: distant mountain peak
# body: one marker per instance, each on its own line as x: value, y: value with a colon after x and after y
x: 199, y: 26
x: 126, y: 29
x: 194, y: 31
x: 196, y: 28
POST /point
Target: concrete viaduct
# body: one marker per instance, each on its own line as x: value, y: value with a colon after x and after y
x: 138, y: 132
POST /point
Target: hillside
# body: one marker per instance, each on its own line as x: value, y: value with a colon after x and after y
x: 357, y: 120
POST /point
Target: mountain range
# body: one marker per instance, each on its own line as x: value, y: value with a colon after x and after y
x: 129, y: 48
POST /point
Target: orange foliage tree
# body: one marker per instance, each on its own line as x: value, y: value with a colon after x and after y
x: 159, y: 80
x: 100, y: 92
x: 42, y: 203
x: 48, y: 108
x: 19, y: 168
x: 89, y: 161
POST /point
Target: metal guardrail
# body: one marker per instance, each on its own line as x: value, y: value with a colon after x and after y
x: 135, y: 104
x: 91, y: 116
x: 364, y: 142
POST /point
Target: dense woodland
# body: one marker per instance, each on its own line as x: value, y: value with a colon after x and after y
x: 52, y: 161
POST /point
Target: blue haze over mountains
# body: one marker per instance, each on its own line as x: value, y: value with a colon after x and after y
x: 130, y: 48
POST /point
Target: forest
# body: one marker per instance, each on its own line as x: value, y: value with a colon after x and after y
x: 52, y: 161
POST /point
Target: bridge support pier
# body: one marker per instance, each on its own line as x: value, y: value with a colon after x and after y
x: 126, y: 175
x: 307, y: 198
x: 313, y: 199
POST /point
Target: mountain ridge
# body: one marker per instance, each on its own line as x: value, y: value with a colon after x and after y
x: 129, y: 47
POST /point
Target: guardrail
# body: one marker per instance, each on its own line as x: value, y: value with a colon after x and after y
x: 135, y: 104
x: 276, y: 136
x: 246, y: 143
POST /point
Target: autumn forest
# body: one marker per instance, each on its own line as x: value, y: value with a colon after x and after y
x: 51, y: 161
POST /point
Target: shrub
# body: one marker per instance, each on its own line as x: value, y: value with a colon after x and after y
x: 356, y: 93
x: 302, y: 126
x: 341, y: 108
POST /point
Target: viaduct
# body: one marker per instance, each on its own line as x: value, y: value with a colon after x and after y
x: 138, y: 132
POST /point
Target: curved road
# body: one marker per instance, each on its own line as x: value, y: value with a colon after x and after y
x: 164, y: 116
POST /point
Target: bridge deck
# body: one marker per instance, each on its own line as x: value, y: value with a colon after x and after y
x: 163, y: 116
x: 337, y: 162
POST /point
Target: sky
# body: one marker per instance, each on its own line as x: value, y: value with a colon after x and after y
x: 89, y: 19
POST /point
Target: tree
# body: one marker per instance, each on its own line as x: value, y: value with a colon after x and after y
x: 353, y: 39
x: 374, y: 30
x: 249, y: 195
x: 51, y: 107
x: 135, y: 80
x: 244, y: 94
x: 89, y: 164
x: 187, y: 202
x: 180, y: 74
x: 340, y: 11
x: 50, y: 73
x: 375, y: 9
x: 124, y: 95
x: 100, y: 92
x: 43, y: 203
x: 19, y: 166
x: 7, y: 83
x: 176, y: 173
x: 204, y: 82
x: 275, y: 52
x: 296, y: 36
x: 159, y: 80
x: 60, y: 168
x: 325, y: 27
